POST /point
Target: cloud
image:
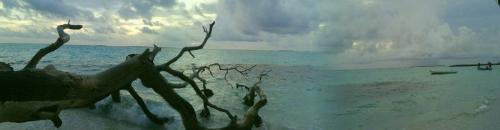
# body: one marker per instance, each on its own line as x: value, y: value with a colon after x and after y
x: 142, y: 8
x: 251, y: 17
x: 367, y: 30
x: 10, y: 3
x: 148, y: 30
x: 280, y: 24
x: 371, y: 30
x: 363, y: 30
x: 55, y: 7
x: 51, y: 8
x: 151, y: 23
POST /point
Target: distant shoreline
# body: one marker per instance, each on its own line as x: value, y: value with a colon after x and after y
x: 429, y: 66
x: 472, y: 65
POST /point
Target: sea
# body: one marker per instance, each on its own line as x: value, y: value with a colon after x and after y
x: 305, y: 91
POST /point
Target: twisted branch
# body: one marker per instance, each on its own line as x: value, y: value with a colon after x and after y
x: 236, y: 68
x: 192, y: 48
x: 189, y: 80
x: 63, y: 38
x: 249, y: 98
x: 90, y: 89
x: 5, y: 67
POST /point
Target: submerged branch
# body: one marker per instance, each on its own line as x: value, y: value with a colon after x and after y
x: 189, y: 80
x: 144, y: 108
x: 249, y: 98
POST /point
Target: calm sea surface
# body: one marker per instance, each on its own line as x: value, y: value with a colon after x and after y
x: 304, y: 92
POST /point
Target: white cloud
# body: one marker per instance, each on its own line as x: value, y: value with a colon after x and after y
x: 349, y: 29
x: 372, y: 30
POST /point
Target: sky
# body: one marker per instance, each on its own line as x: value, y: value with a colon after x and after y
x: 356, y: 30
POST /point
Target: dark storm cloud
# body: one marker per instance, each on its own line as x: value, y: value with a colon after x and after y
x: 57, y: 8
x: 273, y: 16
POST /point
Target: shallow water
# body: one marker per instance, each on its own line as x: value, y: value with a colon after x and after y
x: 301, y: 94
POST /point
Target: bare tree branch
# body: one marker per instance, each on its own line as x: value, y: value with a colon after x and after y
x: 177, y: 85
x: 60, y: 90
x: 189, y: 80
x: 240, y: 69
x: 249, y: 98
x: 236, y: 68
x: 189, y: 49
x: 152, y: 79
x: 196, y: 75
x: 63, y: 38
x: 144, y: 108
x: 25, y: 98
x: 5, y: 67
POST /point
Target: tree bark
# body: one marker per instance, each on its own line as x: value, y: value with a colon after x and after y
x: 153, y: 79
x: 63, y: 38
x: 26, y: 94
x: 40, y: 94
x: 5, y: 67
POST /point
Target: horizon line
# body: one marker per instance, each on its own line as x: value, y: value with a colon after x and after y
x: 117, y: 45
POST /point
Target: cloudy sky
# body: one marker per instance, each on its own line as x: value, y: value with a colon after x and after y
x: 352, y: 29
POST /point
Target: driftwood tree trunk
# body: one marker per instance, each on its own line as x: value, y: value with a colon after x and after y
x: 5, y: 67
x: 40, y: 94
x: 36, y: 94
x: 30, y: 94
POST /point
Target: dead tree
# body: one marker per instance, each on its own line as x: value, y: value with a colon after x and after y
x: 40, y: 94
x: 57, y: 90
x: 5, y: 67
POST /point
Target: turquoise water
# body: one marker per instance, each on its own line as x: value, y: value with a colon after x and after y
x: 304, y: 92
x: 82, y: 58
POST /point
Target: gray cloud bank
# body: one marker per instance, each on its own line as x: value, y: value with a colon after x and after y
x: 348, y: 29
x: 364, y: 30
